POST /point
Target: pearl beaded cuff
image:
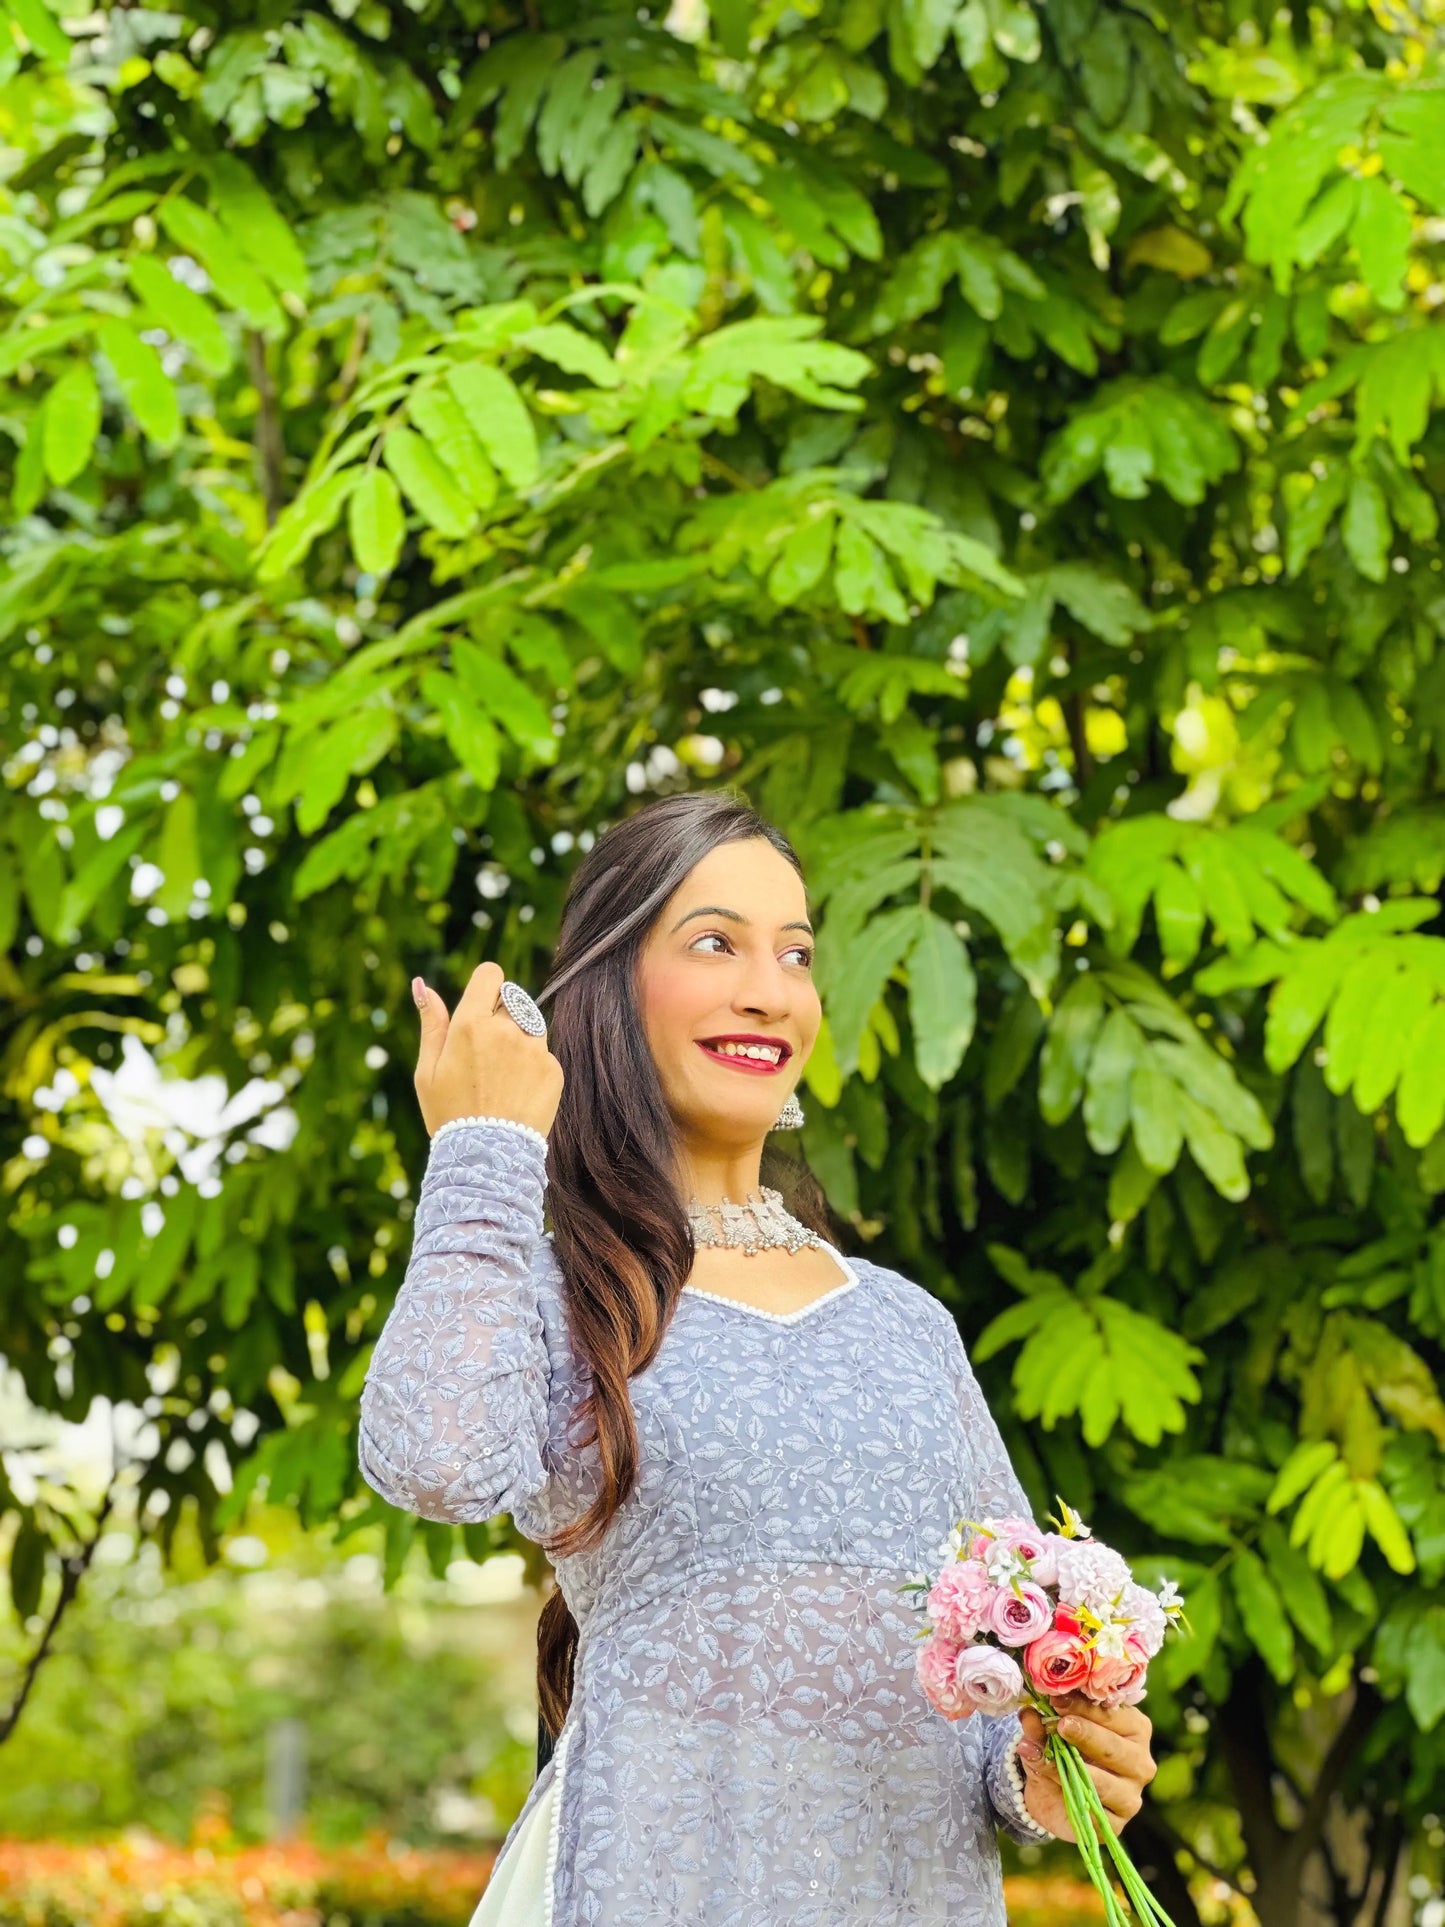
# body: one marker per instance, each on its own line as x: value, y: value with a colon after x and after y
x: 512, y: 1124
x: 1018, y: 1785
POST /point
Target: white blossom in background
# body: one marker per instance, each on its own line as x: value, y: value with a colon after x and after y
x: 193, y: 1115
x: 43, y: 1449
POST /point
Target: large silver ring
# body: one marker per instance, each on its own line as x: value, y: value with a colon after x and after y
x: 520, y: 1006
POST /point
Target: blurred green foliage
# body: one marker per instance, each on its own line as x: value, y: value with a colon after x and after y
x: 154, y: 1711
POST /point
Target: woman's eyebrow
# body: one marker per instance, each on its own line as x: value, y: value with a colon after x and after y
x: 716, y: 910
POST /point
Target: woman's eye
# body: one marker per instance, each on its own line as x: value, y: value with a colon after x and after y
x: 793, y: 950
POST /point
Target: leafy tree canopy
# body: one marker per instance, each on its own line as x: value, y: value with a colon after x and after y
x: 1004, y: 441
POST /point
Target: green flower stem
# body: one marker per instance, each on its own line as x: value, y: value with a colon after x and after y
x: 1081, y: 1819
x: 1084, y: 1807
x: 1093, y: 1809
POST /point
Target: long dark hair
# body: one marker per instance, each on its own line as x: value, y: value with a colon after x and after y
x: 619, y: 1229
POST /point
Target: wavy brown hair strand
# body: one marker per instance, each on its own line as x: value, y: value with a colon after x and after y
x: 619, y: 1229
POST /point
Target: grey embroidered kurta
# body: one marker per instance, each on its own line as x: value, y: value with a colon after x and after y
x: 747, y: 1745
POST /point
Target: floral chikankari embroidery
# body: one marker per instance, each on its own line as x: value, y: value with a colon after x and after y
x: 747, y: 1742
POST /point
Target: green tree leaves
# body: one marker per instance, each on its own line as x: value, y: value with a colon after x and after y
x: 142, y: 380
x: 1295, y: 204
x: 1142, y: 1068
x: 971, y: 850
x: 183, y: 313
x: 1379, y: 989
x: 427, y: 482
x: 1090, y: 1354
x: 376, y: 522
x: 1336, y: 1511
x: 69, y: 423
x: 942, y: 999
x: 1236, y: 881
x: 494, y: 412
x: 1140, y: 433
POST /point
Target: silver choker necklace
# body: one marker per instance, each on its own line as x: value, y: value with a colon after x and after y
x: 757, y: 1224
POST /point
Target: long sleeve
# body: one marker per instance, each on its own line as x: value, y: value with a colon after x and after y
x: 454, y: 1407
x: 997, y: 1493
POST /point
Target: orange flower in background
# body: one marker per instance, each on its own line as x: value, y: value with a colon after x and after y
x: 1032, y: 1901
x: 139, y: 1880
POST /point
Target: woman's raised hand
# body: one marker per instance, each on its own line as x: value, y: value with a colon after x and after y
x: 479, y: 1062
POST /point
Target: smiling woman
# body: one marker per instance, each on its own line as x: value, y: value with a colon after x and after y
x: 735, y: 1448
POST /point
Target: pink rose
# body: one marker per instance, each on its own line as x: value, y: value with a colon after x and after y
x: 935, y: 1666
x: 1018, y: 1617
x: 1113, y: 1675
x: 1057, y: 1663
x: 1022, y: 1534
x: 989, y: 1679
x: 1023, y: 1537
x: 959, y: 1599
x: 1044, y: 1564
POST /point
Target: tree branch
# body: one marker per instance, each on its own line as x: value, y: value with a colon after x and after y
x: 1074, y: 717
x: 1164, y: 1873
x: 73, y: 1567
x: 1350, y: 1736
x: 1075, y: 721
x: 270, y: 444
x: 1153, y: 1821
x: 1244, y: 1743
x: 351, y: 367
x: 1392, y: 1833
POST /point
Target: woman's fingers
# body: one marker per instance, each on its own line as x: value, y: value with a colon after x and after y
x: 1100, y: 1744
x: 1121, y: 1798
x: 483, y: 992
x: 1114, y: 1752
x: 479, y: 1062
x: 434, y: 1026
x: 1131, y: 1721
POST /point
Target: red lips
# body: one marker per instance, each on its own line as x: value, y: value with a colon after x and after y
x: 756, y: 1064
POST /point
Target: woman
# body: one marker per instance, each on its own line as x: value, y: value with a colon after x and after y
x: 733, y: 1455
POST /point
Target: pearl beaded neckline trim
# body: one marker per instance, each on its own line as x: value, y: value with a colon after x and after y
x: 850, y: 1278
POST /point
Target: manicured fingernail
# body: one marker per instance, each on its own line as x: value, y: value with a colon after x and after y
x: 418, y: 991
x: 1031, y: 1751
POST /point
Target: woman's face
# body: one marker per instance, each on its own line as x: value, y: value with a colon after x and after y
x: 730, y: 956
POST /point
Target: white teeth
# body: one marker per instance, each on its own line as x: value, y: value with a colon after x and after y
x: 765, y: 1053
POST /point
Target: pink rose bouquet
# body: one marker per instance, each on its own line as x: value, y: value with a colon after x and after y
x: 1018, y: 1617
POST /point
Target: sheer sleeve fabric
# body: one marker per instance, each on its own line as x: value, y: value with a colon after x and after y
x: 996, y: 1493
x: 454, y: 1408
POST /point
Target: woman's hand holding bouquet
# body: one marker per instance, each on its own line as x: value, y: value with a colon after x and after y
x: 1054, y: 1626
x: 1114, y: 1743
